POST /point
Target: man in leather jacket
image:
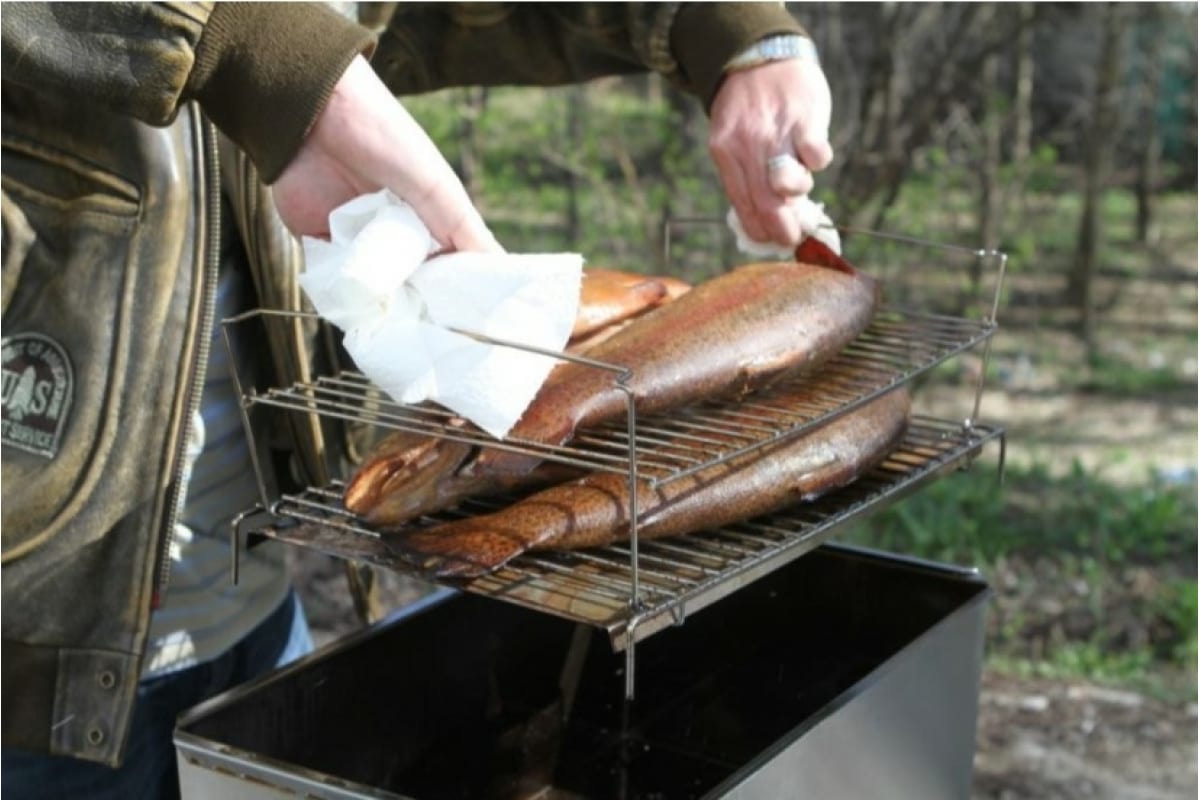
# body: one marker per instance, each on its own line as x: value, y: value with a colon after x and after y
x: 114, y: 182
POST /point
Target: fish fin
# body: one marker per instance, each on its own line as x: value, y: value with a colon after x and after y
x: 813, y: 251
x: 470, y: 551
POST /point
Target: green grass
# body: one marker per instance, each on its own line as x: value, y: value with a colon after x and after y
x: 1089, y: 533
x: 972, y: 518
x: 1118, y: 377
x: 1083, y: 660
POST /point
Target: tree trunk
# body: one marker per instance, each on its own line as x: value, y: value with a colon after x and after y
x: 989, y: 171
x: 1097, y: 166
x: 576, y: 112
x: 898, y: 115
x: 1022, y: 144
x: 874, y: 130
x: 1151, y: 138
x: 473, y: 103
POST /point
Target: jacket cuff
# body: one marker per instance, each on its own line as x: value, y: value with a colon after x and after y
x: 706, y: 36
x: 264, y: 72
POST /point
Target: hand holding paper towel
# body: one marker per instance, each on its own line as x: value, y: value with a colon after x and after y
x: 813, y: 220
x: 400, y: 311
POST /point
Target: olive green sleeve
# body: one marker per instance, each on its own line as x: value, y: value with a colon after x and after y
x: 706, y: 36
x: 429, y: 46
x: 264, y: 71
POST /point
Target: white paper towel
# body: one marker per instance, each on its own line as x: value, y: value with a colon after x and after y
x: 814, y: 222
x: 374, y: 280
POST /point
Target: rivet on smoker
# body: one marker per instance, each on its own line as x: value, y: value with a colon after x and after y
x: 95, y: 736
x: 106, y: 679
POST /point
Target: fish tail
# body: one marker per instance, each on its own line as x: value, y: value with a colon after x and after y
x: 464, y: 549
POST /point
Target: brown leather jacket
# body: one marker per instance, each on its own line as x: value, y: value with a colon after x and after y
x: 113, y: 179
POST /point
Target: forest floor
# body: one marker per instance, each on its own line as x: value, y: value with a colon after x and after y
x: 1126, y: 411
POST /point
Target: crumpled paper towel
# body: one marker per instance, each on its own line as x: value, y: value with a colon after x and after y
x: 814, y: 222
x: 374, y: 280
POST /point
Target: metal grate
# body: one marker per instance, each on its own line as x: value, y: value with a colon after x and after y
x: 898, y: 346
x: 677, y: 576
x: 636, y: 589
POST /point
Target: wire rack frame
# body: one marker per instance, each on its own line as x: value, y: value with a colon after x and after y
x: 897, y: 347
x: 983, y: 257
x: 680, y: 575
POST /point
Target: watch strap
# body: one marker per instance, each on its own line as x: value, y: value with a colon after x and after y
x: 774, y: 48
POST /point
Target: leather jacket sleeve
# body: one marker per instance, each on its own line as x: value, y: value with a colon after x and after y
x: 428, y: 46
x: 261, y: 71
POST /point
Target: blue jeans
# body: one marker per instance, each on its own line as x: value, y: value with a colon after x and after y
x: 149, y: 770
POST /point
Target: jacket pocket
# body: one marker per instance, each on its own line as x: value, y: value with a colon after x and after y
x: 15, y: 241
x: 62, y: 343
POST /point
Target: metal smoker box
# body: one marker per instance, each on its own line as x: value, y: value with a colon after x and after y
x: 846, y: 674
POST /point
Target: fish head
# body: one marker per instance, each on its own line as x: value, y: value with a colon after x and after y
x: 404, y: 478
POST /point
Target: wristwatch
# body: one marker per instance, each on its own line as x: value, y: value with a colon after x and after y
x: 774, y: 48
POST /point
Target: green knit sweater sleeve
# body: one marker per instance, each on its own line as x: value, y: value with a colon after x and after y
x: 264, y: 71
x: 428, y: 46
x: 705, y: 36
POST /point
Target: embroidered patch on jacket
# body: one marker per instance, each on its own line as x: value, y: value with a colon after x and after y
x: 38, y: 387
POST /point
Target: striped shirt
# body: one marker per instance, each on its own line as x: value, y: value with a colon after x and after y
x: 203, y: 614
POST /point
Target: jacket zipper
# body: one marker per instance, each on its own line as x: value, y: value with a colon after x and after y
x: 199, y: 365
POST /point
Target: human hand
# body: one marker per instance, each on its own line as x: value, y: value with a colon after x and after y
x: 776, y: 109
x: 364, y: 140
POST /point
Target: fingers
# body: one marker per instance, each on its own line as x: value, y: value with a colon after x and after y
x: 813, y: 149
x: 786, y: 176
x: 778, y: 224
x: 759, y: 193
x: 734, y: 178
x: 367, y: 133
x: 769, y: 134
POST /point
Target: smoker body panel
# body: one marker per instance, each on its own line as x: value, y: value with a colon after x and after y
x: 911, y: 734
x: 842, y: 673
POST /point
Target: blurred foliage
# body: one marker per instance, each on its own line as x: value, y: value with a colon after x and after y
x: 1074, y: 541
x: 973, y: 518
x: 1108, y: 375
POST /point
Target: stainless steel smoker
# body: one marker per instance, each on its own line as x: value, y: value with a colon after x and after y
x: 754, y: 660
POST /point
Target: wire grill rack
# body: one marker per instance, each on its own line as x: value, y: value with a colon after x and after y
x: 636, y: 589
x: 898, y: 346
x: 678, y: 576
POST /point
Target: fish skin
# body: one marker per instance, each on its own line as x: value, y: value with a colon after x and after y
x: 403, y: 477
x: 408, y: 474
x: 609, y: 296
x: 611, y: 300
x: 593, y: 511
x: 728, y: 336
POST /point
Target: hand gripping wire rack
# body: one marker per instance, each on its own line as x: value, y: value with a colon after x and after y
x: 637, y: 588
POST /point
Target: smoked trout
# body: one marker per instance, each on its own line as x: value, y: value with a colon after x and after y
x: 726, y: 337
x: 407, y: 474
x: 609, y: 296
x: 731, y: 335
x: 594, y: 510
